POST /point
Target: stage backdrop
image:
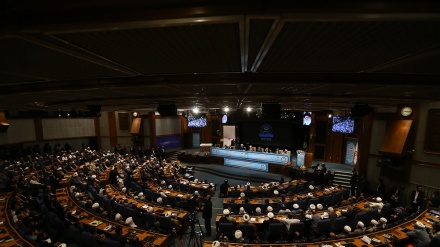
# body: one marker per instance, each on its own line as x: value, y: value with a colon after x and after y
x: 283, y: 134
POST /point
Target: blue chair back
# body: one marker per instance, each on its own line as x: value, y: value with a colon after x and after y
x: 327, y: 200
x: 339, y: 224
x: 248, y: 231
x: 227, y: 229
x: 323, y: 226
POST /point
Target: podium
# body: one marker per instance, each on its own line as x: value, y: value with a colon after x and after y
x: 308, y: 160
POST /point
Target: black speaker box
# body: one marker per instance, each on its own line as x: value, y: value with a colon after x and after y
x: 94, y: 108
x: 271, y: 110
x: 4, y: 127
x: 360, y: 110
x: 167, y: 109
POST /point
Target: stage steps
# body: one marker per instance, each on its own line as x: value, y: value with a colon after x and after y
x: 342, y: 178
x: 173, y: 157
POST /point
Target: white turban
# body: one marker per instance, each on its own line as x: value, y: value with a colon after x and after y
x: 216, y: 243
x: 246, y: 217
x: 269, y: 208
x: 311, y: 187
x: 312, y: 206
x: 420, y: 224
x: 378, y: 199
x: 129, y: 221
x: 238, y: 234
x: 374, y: 222
x: 324, y: 215
x: 360, y: 224
x: 226, y: 211
x: 383, y: 220
x: 347, y: 229
x: 258, y: 210
x: 168, y: 214
x: 150, y: 209
x: 159, y: 199
x: 295, y: 206
x: 319, y: 206
x: 118, y: 217
x: 275, y: 192
x: 242, y: 194
x: 270, y: 215
x: 95, y: 205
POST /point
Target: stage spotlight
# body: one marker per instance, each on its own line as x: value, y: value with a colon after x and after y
x: 135, y: 114
x: 196, y: 110
x: 249, y: 109
x: 226, y: 109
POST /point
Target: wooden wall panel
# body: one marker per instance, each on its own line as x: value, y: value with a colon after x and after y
x: 112, y: 129
x: 395, y: 137
x: 38, y: 129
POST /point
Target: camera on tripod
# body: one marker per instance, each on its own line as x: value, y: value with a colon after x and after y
x: 193, y: 219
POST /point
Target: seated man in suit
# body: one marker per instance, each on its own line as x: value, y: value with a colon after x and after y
x: 296, y: 209
x: 269, y: 221
x: 419, y: 236
x: 246, y: 219
x: 350, y: 213
x: 359, y: 229
x: 226, y: 218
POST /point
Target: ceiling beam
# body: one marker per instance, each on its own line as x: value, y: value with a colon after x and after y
x: 214, y: 97
x: 275, y: 29
x: 96, y: 60
x: 225, y: 79
x: 244, y: 43
x: 431, y: 51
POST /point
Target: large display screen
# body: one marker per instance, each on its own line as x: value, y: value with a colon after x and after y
x: 224, y: 119
x: 197, y: 122
x: 343, y: 124
x: 282, y: 134
x: 307, y: 118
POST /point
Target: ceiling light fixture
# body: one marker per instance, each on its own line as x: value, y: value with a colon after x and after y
x: 226, y: 109
x: 196, y: 110
x: 249, y: 109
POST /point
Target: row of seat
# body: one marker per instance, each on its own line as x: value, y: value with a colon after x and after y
x: 141, y: 219
x: 303, y: 204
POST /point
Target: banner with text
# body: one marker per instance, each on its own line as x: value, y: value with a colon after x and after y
x: 254, y: 156
x: 247, y: 164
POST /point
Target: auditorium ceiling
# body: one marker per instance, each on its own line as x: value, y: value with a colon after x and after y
x: 134, y: 55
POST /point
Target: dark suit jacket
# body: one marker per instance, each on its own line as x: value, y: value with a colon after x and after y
x: 207, y: 210
x: 354, y: 179
x: 419, y: 199
x: 381, y: 191
x: 269, y: 221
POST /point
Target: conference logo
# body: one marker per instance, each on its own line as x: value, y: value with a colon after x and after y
x: 266, y: 132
